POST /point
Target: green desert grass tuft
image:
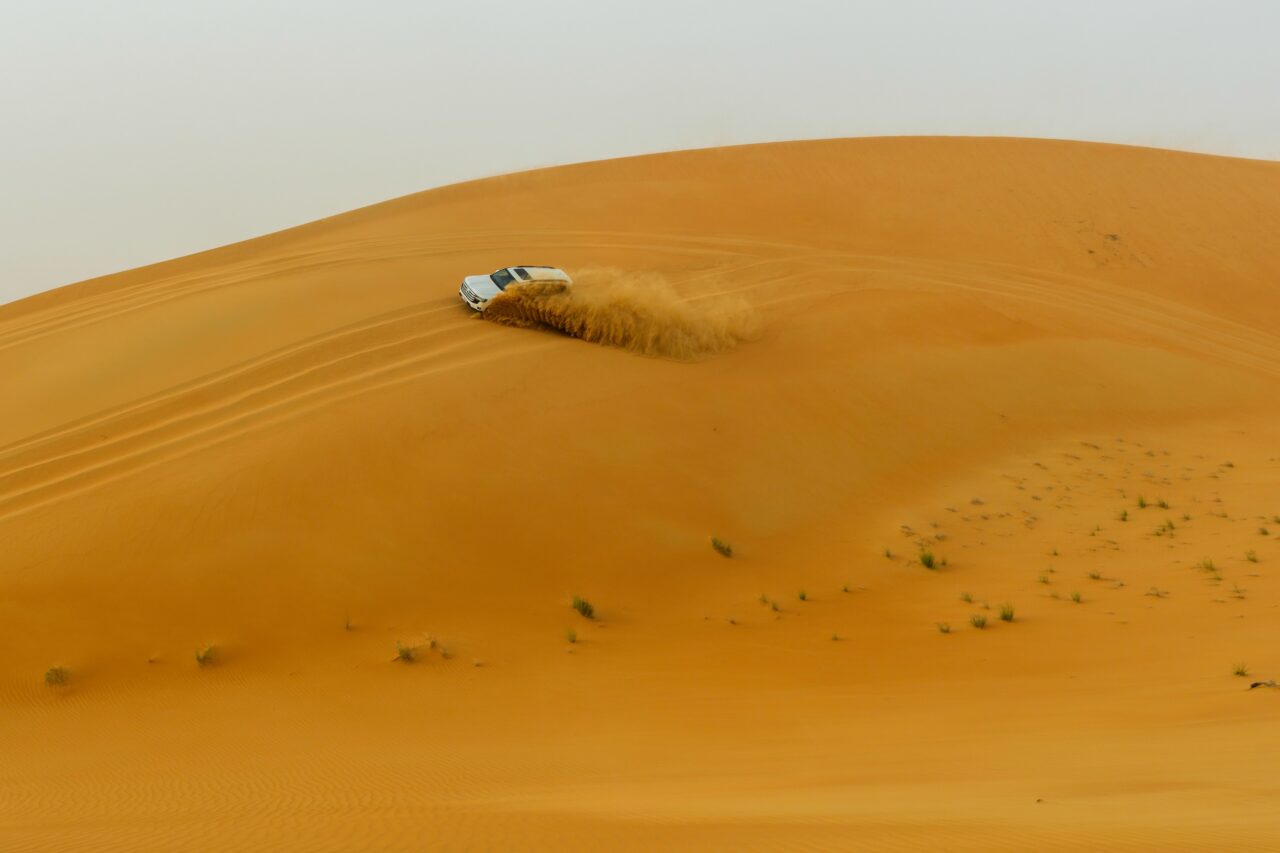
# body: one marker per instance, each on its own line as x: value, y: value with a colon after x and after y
x: 405, y: 653
x: 584, y: 607
x: 1240, y: 670
x: 1142, y: 502
x: 1075, y: 596
x: 723, y: 548
x: 802, y: 595
x: 944, y: 628
x: 977, y: 620
x: 571, y: 635
x: 56, y: 676
x: 966, y: 598
x: 1251, y: 556
x: 927, y: 559
x: 206, y: 655
x: 1006, y: 612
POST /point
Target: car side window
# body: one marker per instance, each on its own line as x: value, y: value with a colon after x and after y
x: 523, y: 274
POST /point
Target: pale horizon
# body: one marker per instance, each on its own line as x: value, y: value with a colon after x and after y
x: 151, y: 133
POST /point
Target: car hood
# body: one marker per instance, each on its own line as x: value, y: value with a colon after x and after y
x: 482, y: 286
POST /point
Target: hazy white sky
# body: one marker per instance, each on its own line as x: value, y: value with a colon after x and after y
x: 136, y: 130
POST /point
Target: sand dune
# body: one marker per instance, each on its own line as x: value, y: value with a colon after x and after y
x: 1052, y: 366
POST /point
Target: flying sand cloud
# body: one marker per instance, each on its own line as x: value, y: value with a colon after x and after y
x: 638, y: 311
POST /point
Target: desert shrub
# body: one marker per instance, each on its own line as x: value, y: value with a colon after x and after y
x: 723, y: 548
x: 584, y: 607
x: 1240, y: 670
x: 406, y: 653
x: 56, y: 676
x: 1006, y: 612
x: 206, y: 655
x: 927, y: 559
x: 944, y: 628
x: 977, y: 620
x: 571, y: 635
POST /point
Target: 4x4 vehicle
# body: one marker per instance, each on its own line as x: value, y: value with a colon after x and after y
x: 477, y: 290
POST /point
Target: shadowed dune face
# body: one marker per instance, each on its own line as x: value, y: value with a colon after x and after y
x: 305, y: 454
x: 640, y: 312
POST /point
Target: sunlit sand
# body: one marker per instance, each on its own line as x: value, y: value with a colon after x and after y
x: 292, y: 538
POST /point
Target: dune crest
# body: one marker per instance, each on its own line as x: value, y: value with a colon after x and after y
x: 637, y: 311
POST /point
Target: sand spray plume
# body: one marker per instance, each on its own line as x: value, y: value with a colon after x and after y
x: 639, y: 311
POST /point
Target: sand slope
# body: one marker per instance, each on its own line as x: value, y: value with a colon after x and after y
x: 302, y: 451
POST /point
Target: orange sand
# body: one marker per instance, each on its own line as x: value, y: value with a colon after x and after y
x: 302, y: 450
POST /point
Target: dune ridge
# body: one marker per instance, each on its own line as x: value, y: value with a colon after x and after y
x: 1052, y: 366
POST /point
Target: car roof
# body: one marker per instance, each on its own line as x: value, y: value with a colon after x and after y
x: 542, y: 273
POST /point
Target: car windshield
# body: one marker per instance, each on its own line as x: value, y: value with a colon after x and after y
x: 502, y: 278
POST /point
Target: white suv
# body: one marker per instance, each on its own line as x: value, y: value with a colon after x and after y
x: 477, y: 290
